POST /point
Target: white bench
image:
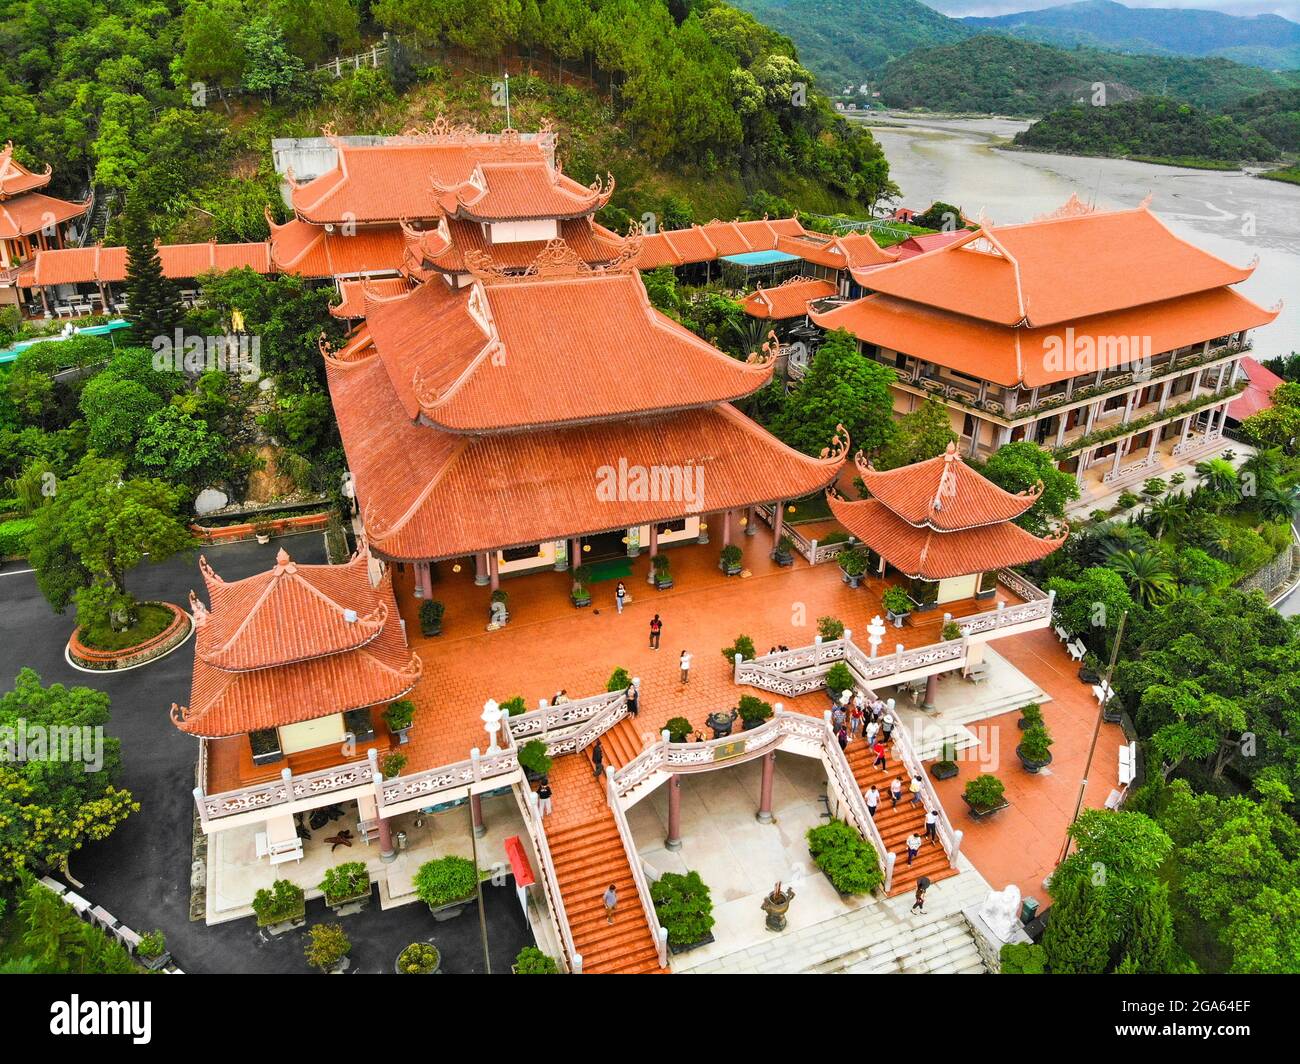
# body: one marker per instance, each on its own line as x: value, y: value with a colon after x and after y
x: 1077, y: 650
x: 1127, y: 764
x: 1061, y: 634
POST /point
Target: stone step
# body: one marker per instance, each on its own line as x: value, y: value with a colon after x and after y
x: 943, y: 944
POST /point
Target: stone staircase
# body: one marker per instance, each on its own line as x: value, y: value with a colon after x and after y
x: 895, y: 825
x: 624, y: 741
x: 944, y: 946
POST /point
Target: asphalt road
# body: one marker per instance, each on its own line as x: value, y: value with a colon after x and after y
x: 141, y: 873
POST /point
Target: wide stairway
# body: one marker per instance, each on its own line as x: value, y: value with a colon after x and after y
x: 895, y: 825
x: 624, y: 741
x: 588, y: 857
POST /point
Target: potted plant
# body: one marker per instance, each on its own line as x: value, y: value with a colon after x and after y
x: 663, y: 576
x: 784, y: 553
x: 1089, y: 669
x: 830, y: 628
x: 152, y: 950
x: 446, y: 885
x: 744, y: 646
x: 838, y: 680
x: 844, y: 859
x: 399, y: 717
x: 897, y: 603
x: 580, y: 593
x: 263, y: 530
x: 498, y: 608
x: 946, y: 767
x: 532, y: 961
x: 951, y: 631
x: 619, y: 680
x: 391, y: 765
x: 346, y: 887
x: 513, y: 707
x: 729, y: 560
x: 679, y: 729
x: 753, y: 711
x: 534, y: 760
x: 1178, y: 478
x: 853, y: 564
x: 419, y: 958
x: 984, y: 795
x: 431, y: 617
x: 327, y: 948
x: 281, y: 907
x: 1031, y: 715
x: 265, y: 744
x: 1034, y: 750
x: 685, y: 908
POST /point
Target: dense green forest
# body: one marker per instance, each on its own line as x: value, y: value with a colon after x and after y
x: 1006, y: 76
x: 1274, y: 115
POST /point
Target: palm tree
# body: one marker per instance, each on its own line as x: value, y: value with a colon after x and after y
x: 1218, y: 475
x: 1264, y: 465
x: 1278, y: 504
x: 1166, y: 514
x: 1147, y: 575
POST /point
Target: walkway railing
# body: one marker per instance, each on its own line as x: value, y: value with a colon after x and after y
x: 638, y: 873
x: 427, y: 784
x: 288, y: 788
x: 812, y: 551
x: 536, y: 824
x: 949, y: 836
x: 541, y: 723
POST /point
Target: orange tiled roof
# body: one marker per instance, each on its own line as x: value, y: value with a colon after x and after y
x: 443, y: 248
x: 704, y: 243
x: 1259, y: 392
x: 788, y: 300
x: 853, y: 250
x: 430, y: 494
x: 920, y: 243
x: 1056, y: 269
x: 943, y: 493
x: 309, y: 251
x: 1038, y: 356
x: 353, y: 303
x: 518, y: 191
x: 934, y: 555
x: 528, y: 352
x: 15, y: 178
x: 73, y: 265
x: 35, y: 211
x: 278, y: 648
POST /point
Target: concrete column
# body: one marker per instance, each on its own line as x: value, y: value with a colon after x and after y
x: 931, y: 691
x: 1093, y: 408
x: 1164, y: 395
x: 387, y: 851
x: 561, y: 564
x: 575, y: 552
x: 778, y: 522
x: 476, y: 815
x: 726, y: 528
x: 674, y: 839
x: 425, y: 579
x: 481, y: 569
x: 494, y: 577
x: 1119, y: 454
x: 1060, y: 427
x: 974, y: 435
x: 1084, y: 456
x: 654, y: 550
x: 764, y: 815
x: 751, y: 521
x: 1218, y: 384
x: 1187, y: 428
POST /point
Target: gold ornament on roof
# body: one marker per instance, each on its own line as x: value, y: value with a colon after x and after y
x: 839, y: 445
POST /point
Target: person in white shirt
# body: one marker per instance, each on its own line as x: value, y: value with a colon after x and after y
x: 932, y: 825
x: 686, y: 666
x: 871, y: 729
x: 873, y: 800
x: 896, y: 790
x: 913, y: 846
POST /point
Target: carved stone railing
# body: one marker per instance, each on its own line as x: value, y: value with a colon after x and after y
x: 542, y: 723
x: 659, y: 932
x: 811, y: 550
x: 536, y: 824
x: 433, y: 781
x: 1020, y: 585
x: 949, y: 837
x: 1196, y: 444
x: 837, y: 765
x: 1132, y: 470
x: 612, y: 711
x: 288, y: 788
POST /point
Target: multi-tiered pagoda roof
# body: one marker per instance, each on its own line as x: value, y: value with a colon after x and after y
x: 24, y: 210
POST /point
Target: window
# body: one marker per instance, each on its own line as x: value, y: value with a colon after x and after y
x: 519, y: 554
x: 670, y: 526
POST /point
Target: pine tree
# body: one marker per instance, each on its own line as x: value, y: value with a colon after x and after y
x: 153, y: 302
x: 1151, y: 938
x: 1076, y: 940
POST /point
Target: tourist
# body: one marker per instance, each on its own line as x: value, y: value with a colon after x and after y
x: 846, y: 698
x: 915, y: 789
x: 656, y: 627
x: 772, y: 651
x: 932, y: 825
x: 782, y: 648
x: 837, y: 717
x: 633, y: 700
x: 879, y: 750
x: 598, y: 758
x: 686, y: 666
x: 860, y: 704
x: 873, y: 800
x: 869, y: 732
x: 918, y: 903
x: 896, y: 791
x: 887, y: 727
x: 544, y: 796
x: 842, y: 736
x: 610, y: 898
x: 913, y: 846
x: 855, y: 720
x: 620, y: 593
x: 561, y: 698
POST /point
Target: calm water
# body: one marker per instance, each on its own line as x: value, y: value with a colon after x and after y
x: 1232, y: 215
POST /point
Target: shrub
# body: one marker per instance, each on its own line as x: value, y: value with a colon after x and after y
x: 431, y: 613
x: 262, y: 527
x: 532, y: 961
x: 850, y: 863
x: 581, y: 578
x: 1127, y: 500
x: 391, y: 765
x: 327, y: 944
x: 984, y: 792
x: 1098, y: 515
x: 1178, y: 478
x: 419, y: 958
x: 660, y: 564
x: 400, y: 714
x: 785, y: 545
x: 679, y: 729
x: 152, y: 944
x: 15, y: 535
x: 348, y: 880
x: 283, y: 901
x: 853, y: 562
x: 684, y: 907
x: 620, y: 680
x: 838, y: 536
x: 951, y: 630
x: 830, y: 628
x: 500, y: 597
x: 1023, y: 958
x: 512, y: 707
x: 445, y: 880
x: 1032, y: 713
x: 744, y: 646
x: 1035, y: 743
x: 754, y: 708
x: 1154, y: 486
x: 948, y: 758
x: 731, y: 555
x: 896, y: 600
x: 533, y: 757
x: 839, y: 678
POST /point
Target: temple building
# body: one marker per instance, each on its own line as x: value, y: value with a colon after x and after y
x: 1099, y: 334
x: 30, y: 222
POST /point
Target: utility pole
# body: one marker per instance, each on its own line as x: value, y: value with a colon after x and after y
x: 507, y: 80
x: 1106, y: 695
x: 478, y: 886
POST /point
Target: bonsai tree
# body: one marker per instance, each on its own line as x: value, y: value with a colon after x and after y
x: 391, y: 765
x: 619, y: 680
x: 849, y: 863
x: 345, y: 882
x: 731, y: 555
x: 1035, y: 744
x: 853, y: 562
x: 683, y: 906
x: 946, y: 767
x: 679, y: 729
x: 532, y: 961
x: 984, y: 792
x: 534, y: 758
x: 512, y: 707
x: 431, y: 617
x: 785, y: 546
x: 838, y: 679
x: 581, y: 578
x: 327, y: 944
x: 896, y: 601
x: 445, y: 881
x: 153, y: 944
x: 659, y: 563
x: 282, y: 901
x: 400, y: 715
x: 753, y: 709
x: 744, y: 646
x: 951, y: 630
x: 830, y: 628
x: 419, y: 958
x: 1031, y: 715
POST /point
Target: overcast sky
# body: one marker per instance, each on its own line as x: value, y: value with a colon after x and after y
x: 1286, y: 8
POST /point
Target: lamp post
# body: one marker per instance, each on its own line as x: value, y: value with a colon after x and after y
x: 875, y: 634
x: 491, y: 719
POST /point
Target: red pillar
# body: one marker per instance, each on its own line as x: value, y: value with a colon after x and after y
x: 386, y: 850
x: 494, y: 577
x: 778, y: 522
x: 426, y: 580
x: 476, y: 815
x: 654, y: 550
x: 575, y: 549
x: 765, y: 791
x: 674, y: 840
x: 931, y: 691
x: 751, y: 520
x: 726, y: 528
x: 480, y: 569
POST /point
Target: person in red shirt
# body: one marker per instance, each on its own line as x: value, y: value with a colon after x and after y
x: 879, y: 751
